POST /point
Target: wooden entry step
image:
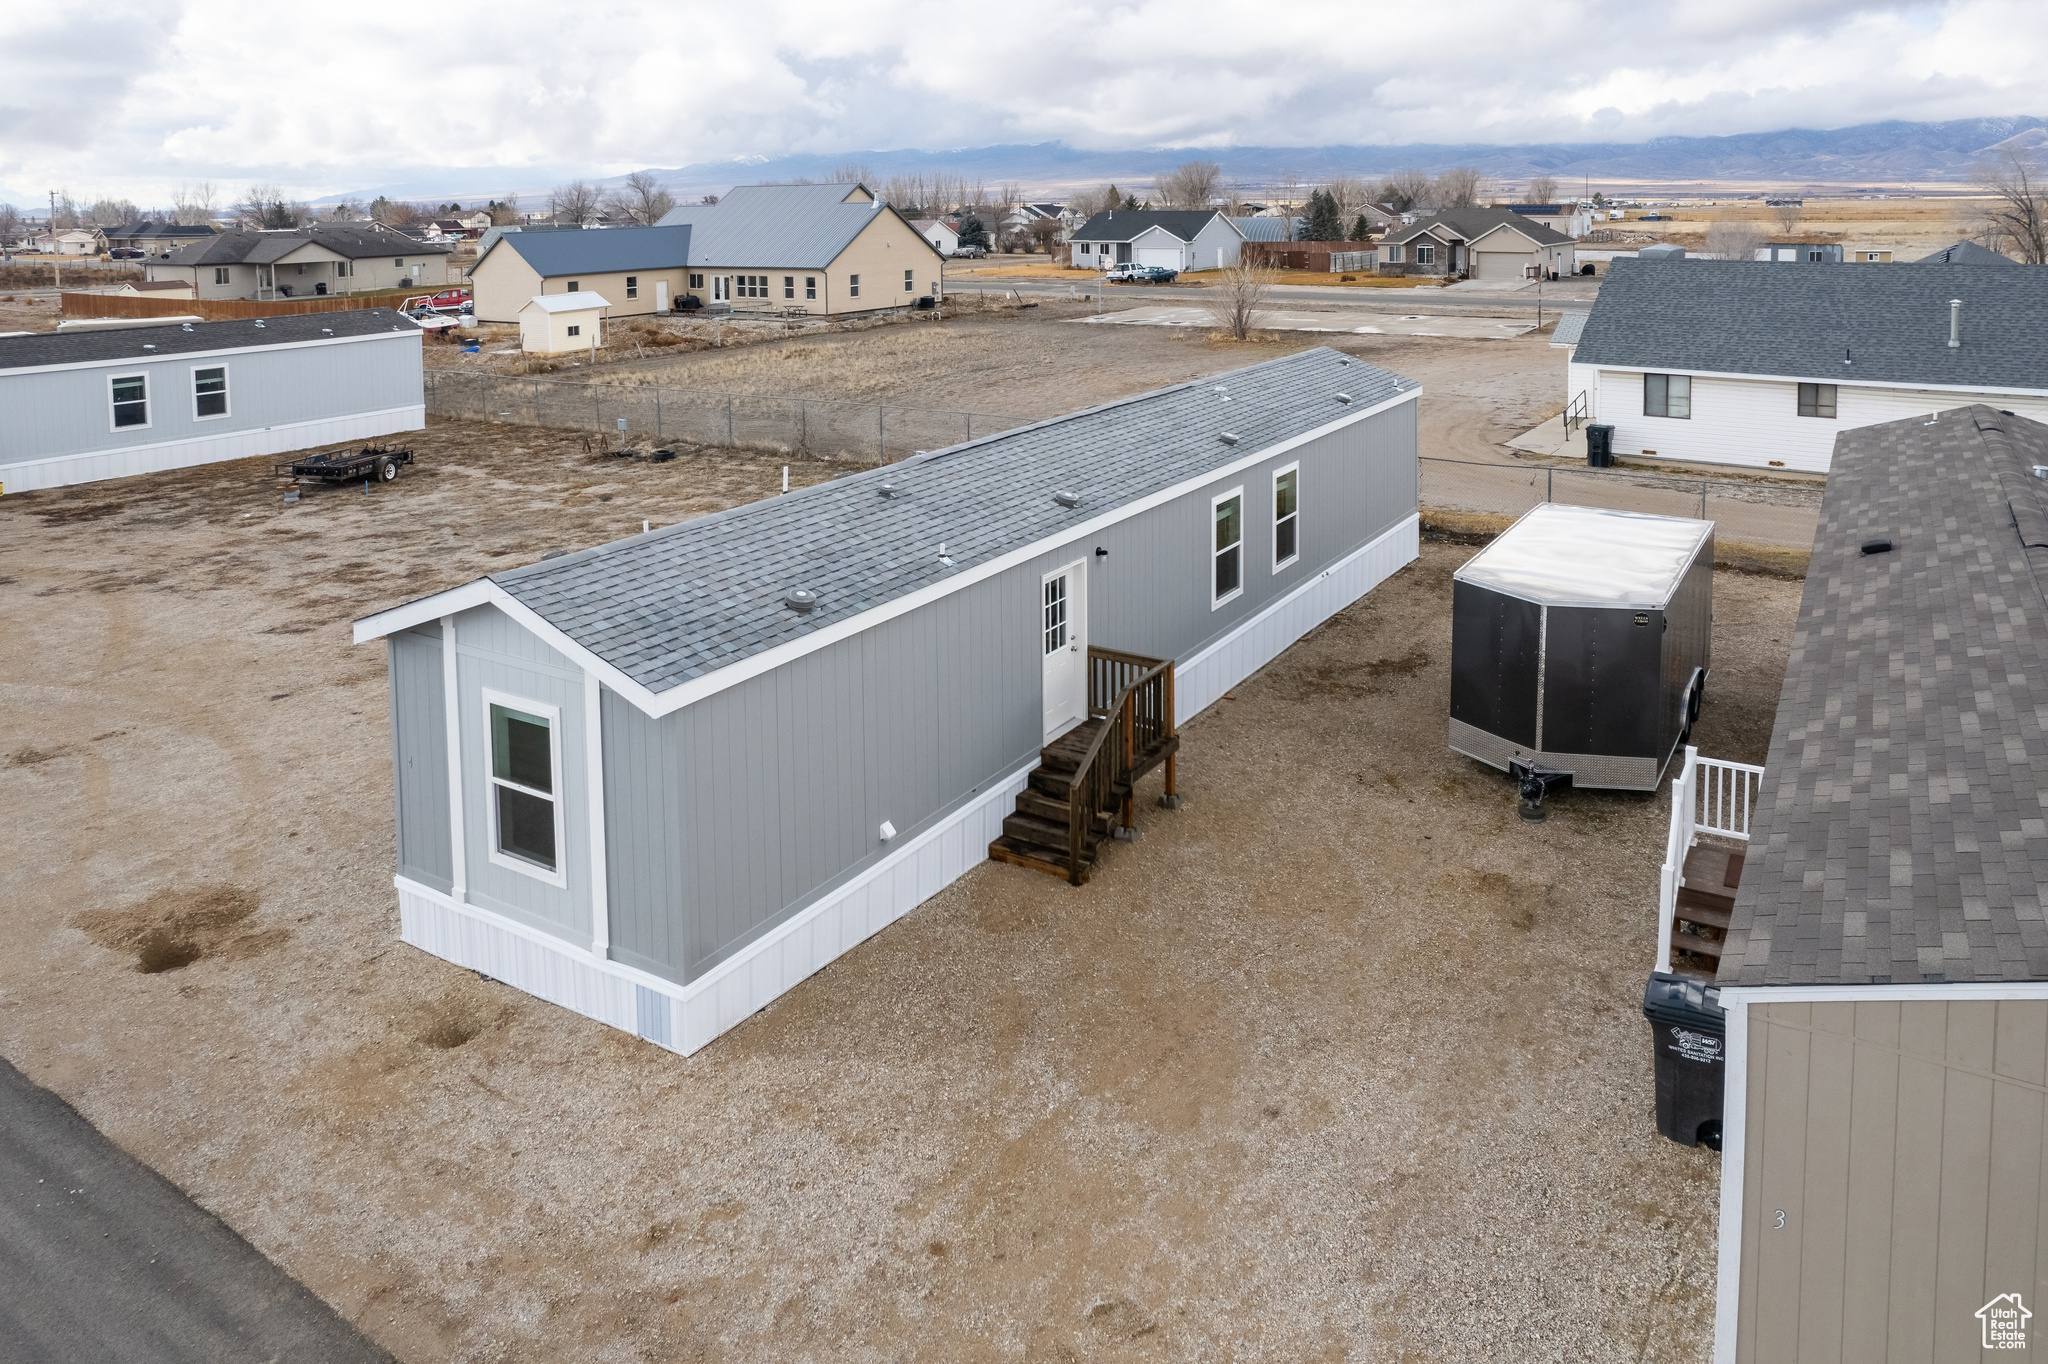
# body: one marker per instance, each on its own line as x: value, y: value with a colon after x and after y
x: 1706, y: 907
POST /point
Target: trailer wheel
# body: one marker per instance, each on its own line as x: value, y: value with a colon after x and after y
x: 387, y: 469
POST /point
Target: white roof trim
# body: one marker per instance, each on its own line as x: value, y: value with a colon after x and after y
x: 1834, y: 994
x: 658, y: 704
x: 1839, y: 381
x: 582, y: 301
x: 399, y: 329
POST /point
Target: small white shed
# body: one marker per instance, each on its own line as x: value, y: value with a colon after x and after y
x: 550, y: 324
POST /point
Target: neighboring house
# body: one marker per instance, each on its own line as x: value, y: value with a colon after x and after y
x: 1803, y: 253
x: 1571, y: 220
x: 818, y: 250
x: 1482, y: 243
x: 80, y: 241
x: 661, y: 781
x: 1738, y: 362
x: 1021, y: 218
x: 1881, y: 255
x: 1179, y: 239
x: 1966, y: 253
x: 81, y: 406
x: 944, y: 236
x: 158, y: 239
x: 158, y: 288
x: 1885, y: 973
x: 303, y: 262
x: 551, y: 324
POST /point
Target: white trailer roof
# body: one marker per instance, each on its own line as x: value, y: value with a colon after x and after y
x: 1559, y: 555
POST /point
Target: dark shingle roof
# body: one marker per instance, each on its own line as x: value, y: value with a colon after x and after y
x: 1122, y: 224
x: 1966, y: 253
x: 1470, y: 224
x: 597, y: 251
x: 1753, y: 317
x: 149, y: 341
x: 354, y: 241
x: 689, y: 599
x: 1901, y: 833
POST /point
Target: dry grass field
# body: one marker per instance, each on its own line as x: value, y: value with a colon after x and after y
x: 1912, y: 227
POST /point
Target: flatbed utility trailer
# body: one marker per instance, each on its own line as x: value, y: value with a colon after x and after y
x: 376, y: 463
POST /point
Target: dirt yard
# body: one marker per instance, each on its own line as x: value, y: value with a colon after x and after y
x: 1343, y: 1061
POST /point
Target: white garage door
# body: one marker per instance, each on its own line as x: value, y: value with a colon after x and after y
x: 1499, y: 264
x: 1168, y: 256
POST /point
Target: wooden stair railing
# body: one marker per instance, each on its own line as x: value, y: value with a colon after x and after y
x: 1084, y: 788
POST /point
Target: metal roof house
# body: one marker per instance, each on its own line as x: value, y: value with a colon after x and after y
x: 798, y: 249
x: 1178, y: 239
x: 1734, y: 362
x: 1885, y: 970
x: 80, y: 406
x: 661, y: 781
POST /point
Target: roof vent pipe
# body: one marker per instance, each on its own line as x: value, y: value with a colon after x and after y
x: 1955, y: 322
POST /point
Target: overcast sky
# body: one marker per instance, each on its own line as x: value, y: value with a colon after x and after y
x: 129, y: 99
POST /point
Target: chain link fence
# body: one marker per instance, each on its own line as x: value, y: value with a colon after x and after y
x: 1749, y: 511
x: 812, y: 427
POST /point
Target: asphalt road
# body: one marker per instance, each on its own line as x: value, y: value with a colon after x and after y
x: 102, y: 1260
x: 1576, y: 295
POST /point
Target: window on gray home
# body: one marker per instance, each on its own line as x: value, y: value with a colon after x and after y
x: 221, y: 274
x: 1667, y: 395
x: 131, y: 400
x: 210, y: 392
x: 1816, y: 400
x: 1425, y: 255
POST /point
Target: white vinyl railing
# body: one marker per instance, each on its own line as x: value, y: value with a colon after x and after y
x: 1708, y: 797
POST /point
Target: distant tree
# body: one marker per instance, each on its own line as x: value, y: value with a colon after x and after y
x: 504, y: 212
x: 1599, y: 199
x: 10, y: 225
x: 394, y: 212
x: 107, y: 213
x: 853, y: 173
x: 264, y: 206
x: 63, y: 212
x: 193, y: 205
x: 642, y: 199
x: 1542, y: 189
x: 1405, y: 190
x: 709, y: 199
x: 1324, y: 222
x: 574, y: 204
x: 1459, y: 187
x: 1191, y: 185
x: 1788, y: 215
x: 1730, y: 237
x: 1239, y: 294
x: 973, y: 232
x: 347, y: 210
x: 1361, y: 230
x: 2018, y: 211
x: 1044, y: 235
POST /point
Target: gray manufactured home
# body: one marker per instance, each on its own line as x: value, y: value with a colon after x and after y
x: 662, y: 781
x: 78, y: 407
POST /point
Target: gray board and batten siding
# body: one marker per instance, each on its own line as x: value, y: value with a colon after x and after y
x: 290, y: 383
x: 752, y: 754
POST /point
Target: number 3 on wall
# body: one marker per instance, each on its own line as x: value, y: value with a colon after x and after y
x: 1779, y: 1225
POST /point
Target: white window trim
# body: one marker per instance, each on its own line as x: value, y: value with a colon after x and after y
x: 1281, y: 565
x: 559, y: 877
x: 228, y: 393
x: 1215, y: 601
x: 148, y: 404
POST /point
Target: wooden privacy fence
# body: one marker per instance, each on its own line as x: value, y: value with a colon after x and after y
x: 1321, y: 257
x: 227, y: 309
x: 813, y: 427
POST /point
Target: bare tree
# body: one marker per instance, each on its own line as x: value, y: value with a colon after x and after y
x: 394, y: 212
x: 10, y: 225
x: 1542, y: 189
x: 505, y: 211
x: 1352, y: 196
x: 63, y: 212
x: 853, y: 173
x: 574, y: 203
x: 2018, y: 211
x: 1238, y: 297
x: 265, y: 207
x: 347, y: 210
x: 107, y: 213
x: 1788, y: 212
x: 1406, y: 189
x: 194, y: 205
x: 1460, y: 187
x: 1043, y: 234
x: 1191, y: 185
x: 1733, y: 237
x: 642, y: 199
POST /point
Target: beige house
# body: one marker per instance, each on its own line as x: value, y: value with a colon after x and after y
x: 550, y: 324
x: 158, y: 288
x: 80, y: 241
x: 307, y: 262
x: 798, y: 250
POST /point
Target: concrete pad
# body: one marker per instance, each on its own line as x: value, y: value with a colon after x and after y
x: 1355, y: 322
x: 1552, y: 439
x: 1491, y: 286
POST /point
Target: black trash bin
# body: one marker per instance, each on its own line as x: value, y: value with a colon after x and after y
x: 1689, y: 1037
x: 1599, y: 446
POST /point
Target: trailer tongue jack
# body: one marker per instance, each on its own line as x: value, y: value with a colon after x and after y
x: 1535, y: 783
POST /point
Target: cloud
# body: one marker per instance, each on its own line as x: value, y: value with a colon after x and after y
x: 138, y: 97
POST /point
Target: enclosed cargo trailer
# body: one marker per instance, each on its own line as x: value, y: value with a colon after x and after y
x: 1580, y: 643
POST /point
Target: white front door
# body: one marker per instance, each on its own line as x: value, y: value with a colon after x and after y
x: 1063, y: 646
x: 718, y: 287
x: 661, y: 295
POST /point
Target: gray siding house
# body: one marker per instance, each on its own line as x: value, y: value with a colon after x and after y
x: 663, y: 780
x: 79, y: 407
